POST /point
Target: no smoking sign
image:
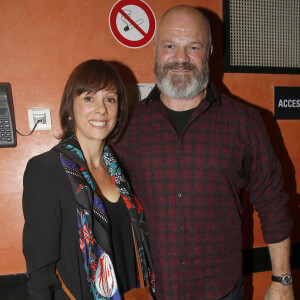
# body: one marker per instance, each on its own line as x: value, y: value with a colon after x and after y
x: 132, y: 23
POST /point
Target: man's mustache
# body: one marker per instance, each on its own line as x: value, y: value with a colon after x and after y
x: 184, y: 66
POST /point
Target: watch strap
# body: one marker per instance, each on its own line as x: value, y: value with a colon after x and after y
x: 285, y: 279
x: 276, y: 278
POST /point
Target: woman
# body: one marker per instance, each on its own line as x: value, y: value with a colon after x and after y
x: 78, y: 208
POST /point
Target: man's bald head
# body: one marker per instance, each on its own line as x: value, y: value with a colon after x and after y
x: 194, y: 14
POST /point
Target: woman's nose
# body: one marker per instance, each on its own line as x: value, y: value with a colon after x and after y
x: 100, y: 108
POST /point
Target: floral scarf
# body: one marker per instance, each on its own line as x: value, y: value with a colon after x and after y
x: 91, y: 213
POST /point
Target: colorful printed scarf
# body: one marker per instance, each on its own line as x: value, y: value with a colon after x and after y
x: 91, y: 212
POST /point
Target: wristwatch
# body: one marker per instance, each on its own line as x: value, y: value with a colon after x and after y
x: 285, y: 279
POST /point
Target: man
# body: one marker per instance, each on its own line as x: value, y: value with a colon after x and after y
x: 189, y: 152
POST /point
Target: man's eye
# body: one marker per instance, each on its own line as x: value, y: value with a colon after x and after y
x: 169, y: 46
x: 194, y: 48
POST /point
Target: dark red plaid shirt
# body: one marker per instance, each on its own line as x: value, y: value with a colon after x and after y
x: 190, y: 185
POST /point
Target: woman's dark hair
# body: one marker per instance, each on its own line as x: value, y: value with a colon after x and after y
x: 92, y: 76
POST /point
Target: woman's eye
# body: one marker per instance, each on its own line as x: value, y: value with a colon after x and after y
x: 111, y: 100
x: 88, y: 99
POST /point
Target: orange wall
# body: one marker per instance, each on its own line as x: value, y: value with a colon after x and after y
x: 42, y: 41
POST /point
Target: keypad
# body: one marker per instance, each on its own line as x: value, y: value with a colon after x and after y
x: 5, y: 130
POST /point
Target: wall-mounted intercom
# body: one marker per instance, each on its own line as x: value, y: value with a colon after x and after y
x: 7, y: 118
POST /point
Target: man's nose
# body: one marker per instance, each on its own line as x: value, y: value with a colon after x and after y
x: 181, y: 55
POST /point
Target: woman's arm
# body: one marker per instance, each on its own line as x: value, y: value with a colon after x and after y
x: 41, y: 234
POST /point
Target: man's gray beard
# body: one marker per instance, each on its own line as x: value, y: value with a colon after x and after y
x: 181, y: 86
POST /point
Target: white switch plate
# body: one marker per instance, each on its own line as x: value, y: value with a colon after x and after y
x: 145, y: 89
x: 43, y: 114
x: 137, y: 91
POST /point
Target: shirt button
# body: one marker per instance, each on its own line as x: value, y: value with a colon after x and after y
x: 181, y: 261
x: 180, y: 227
x: 179, y: 195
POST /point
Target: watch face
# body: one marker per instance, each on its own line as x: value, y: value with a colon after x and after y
x: 286, y: 279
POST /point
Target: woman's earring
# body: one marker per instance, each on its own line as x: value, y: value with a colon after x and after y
x: 70, y: 118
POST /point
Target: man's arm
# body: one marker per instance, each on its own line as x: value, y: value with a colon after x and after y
x: 280, y: 260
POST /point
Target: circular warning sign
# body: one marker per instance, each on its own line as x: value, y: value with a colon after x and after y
x: 132, y: 23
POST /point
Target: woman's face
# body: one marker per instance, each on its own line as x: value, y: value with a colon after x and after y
x: 95, y: 115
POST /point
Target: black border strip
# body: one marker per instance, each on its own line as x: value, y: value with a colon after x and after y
x: 258, y: 259
x: 245, y: 69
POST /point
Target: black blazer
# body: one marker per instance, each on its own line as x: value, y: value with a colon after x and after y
x: 50, y: 236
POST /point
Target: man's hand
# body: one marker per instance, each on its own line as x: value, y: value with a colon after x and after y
x: 278, y: 291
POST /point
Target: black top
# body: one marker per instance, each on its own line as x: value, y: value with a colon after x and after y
x: 179, y: 119
x: 122, y: 244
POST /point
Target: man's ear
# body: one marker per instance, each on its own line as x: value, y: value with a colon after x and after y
x: 211, y: 49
